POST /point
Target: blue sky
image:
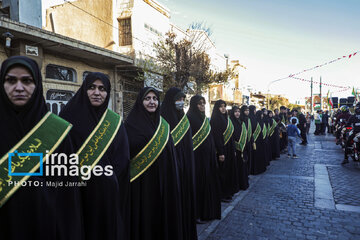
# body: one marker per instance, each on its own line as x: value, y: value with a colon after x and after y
x: 276, y: 38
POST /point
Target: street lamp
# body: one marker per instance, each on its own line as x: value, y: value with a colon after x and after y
x: 8, y: 36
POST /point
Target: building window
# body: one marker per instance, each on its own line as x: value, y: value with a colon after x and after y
x: 88, y: 72
x: 125, y: 36
x: 60, y: 73
x: 57, y: 99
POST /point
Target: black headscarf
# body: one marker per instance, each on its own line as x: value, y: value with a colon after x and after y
x: 140, y: 124
x: 168, y: 109
x: 260, y: 119
x: 155, y: 196
x: 185, y: 160
x: 218, y: 123
x: 243, y: 117
x: 217, y: 118
x: 236, y: 122
x: 232, y: 116
x: 271, y: 118
x: 252, y: 117
x: 83, y: 116
x: 195, y: 116
x: 44, y: 209
x: 15, y: 122
x: 110, y: 192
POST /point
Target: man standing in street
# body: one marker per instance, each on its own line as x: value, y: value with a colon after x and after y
x: 324, y: 122
x: 302, y: 127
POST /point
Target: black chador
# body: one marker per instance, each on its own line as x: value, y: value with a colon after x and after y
x: 208, y: 196
x: 242, y: 143
x: 225, y: 148
x: 267, y: 136
x: 274, y: 136
x: 34, y: 212
x: 172, y: 111
x: 257, y: 163
x: 155, y: 196
x: 105, y: 199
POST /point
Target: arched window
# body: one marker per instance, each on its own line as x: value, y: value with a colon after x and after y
x: 57, y: 99
x: 60, y: 73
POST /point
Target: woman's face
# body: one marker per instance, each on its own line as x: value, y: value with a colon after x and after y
x: 201, y: 105
x: 97, y: 93
x: 222, y: 108
x: 270, y: 115
x: 237, y: 113
x: 19, y: 85
x: 246, y: 112
x: 151, y: 102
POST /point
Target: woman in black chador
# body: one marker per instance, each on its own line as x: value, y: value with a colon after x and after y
x: 239, y: 117
x: 207, y: 180
x: 274, y: 136
x: 155, y: 194
x: 172, y: 111
x: 267, y: 123
x: 257, y: 163
x: 105, y: 198
x: 32, y: 212
x: 225, y: 151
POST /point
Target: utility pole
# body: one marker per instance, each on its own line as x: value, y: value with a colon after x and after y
x: 311, y: 96
x: 320, y: 95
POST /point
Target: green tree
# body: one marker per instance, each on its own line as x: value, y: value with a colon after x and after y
x: 184, y: 63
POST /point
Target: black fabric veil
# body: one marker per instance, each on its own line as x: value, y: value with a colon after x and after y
x: 104, y: 197
x: 81, y: 113
x: 229, y: 169
x: 155, y: 196
x: 252, y: 117
x: 43, y: 209
x: 218, y: 125
x: 260, y: 119
x: 168, y: 110
x: 17, y: 121
x: 140, y: 124
x: 185, y: 160
x: 236, y: 122
x: 208, y: 192
x: 194, y: 114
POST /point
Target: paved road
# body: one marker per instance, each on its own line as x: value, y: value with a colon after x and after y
x: 312, y: 197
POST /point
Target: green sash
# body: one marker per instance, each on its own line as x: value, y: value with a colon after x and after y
x: 99, y: 140
x: 268, y: 129
x: 272, y: 129
x: 147, y: 156
x: 264, y: 131
x: 180, y: 130
x: 257, y: 132
x: 201, y: 134
x: 249, y: 131
x: 228, y: 131
x: 42, y: 139
x: 240, y: 145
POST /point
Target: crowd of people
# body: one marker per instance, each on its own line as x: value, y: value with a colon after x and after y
x: 346, y: 128
x: 171, y: 169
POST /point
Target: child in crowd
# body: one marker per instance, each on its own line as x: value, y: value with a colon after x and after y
x: 292, y: 132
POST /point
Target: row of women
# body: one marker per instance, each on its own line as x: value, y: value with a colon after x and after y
x: 169, y: 168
